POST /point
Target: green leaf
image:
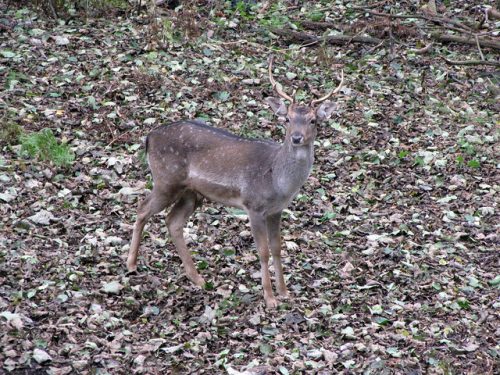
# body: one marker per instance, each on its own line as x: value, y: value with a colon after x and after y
x: 202, y: 265
x: 270, y: 330
x: 7, y: 54
x: 36, y: 32
x: 473, y: 163
x: 31, y: 293
x: 222, y: 95
x: 495, y: 281
x: 63, y: 297
x: 376, y: 309
x: 209, y: 285
x: 473, y: 282
x: 327, y: 216
x: 265, y: 349
x: 113, y: 287
x: 382, y: 321
x: 229, y: 252
x: 419, y: 161
x: 316, y: 16
x: 403, y: 154
x: 348, y: 332
x: 463, y: 303
x: 394, y: 352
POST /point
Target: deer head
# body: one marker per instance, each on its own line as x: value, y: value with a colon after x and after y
x: 301, y: 118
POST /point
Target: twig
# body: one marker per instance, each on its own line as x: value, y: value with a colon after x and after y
x: 110, y: 130
x: 493, y: 88
x: 370, y: 51
x: 243, y: 41
x: 370, y: 6
x: 311, y: 43
x: 119, y: 136
x: 355, y: 35
x: 333, y: 39
x: 391, y: 45
x: 264, y: 7
x: 421, y: 51
x: 53, y: 10
x: 471, y: 62
x: 479, y: 47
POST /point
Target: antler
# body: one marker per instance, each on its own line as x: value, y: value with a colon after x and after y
x: 275, y: 84
x: 323, y: 98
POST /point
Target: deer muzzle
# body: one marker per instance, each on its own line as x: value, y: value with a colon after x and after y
x: 297, y: 139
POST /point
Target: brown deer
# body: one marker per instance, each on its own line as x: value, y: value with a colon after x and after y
x: 190, y: 161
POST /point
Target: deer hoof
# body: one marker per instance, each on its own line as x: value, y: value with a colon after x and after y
x: 271, y: 303
x: 131, y: 267
x: 197, y: 280
x: 284, y: 294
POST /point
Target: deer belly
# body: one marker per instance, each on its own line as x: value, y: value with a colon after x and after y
x: 216, y: 188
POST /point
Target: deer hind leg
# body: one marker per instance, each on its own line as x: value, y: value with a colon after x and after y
x: 176, y: 219
x: 154, y: 203
x: 260, y: 235
x: 273, y: 229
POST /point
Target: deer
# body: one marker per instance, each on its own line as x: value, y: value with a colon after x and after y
x: 191, y: 161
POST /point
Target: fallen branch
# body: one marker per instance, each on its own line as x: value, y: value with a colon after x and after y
x: 459, y: 26
x: 471, y: 62
x: 340, y: 39
x: 317, y: 25
x: 388, y: 15
x: 470, y: 40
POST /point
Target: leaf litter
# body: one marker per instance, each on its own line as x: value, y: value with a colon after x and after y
x: 391, y: 248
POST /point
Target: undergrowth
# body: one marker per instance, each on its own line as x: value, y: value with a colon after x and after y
x: 44, y: 146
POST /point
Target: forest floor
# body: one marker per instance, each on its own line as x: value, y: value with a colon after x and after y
x: 391, y: 249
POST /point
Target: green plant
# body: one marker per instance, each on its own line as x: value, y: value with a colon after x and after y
x: 327, y: 216
x: 474, y: 163
x: 10, y: 132
x: 45, y: 146
x: 64, y: 8
x: 275, y: 17
x: 14, y: 78
x: 467, y: 147
x: 275, y: 21
x: 316, y: 16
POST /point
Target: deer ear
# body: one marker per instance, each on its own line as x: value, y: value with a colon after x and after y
x: 325, y: 110
x: 277, y: 105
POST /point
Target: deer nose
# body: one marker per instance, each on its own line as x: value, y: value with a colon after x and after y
x: 297, y: 139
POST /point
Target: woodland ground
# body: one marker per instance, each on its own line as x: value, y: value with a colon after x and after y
x: 391, y: 249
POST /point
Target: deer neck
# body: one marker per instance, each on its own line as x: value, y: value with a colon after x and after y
x: 291, y: 167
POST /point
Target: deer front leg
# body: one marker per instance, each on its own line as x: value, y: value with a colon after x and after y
x: 273, y: 232
x: 259, y: 231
